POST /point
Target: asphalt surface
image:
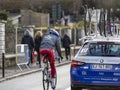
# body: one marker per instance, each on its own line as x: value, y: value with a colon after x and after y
x: 34, y: 81
x: 14, y: 72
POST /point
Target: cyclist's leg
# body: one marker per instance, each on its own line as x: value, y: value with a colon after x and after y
x: 51, y: 60
x: 52, y: 63
x: 53, y: 69
x: 42, y: 53
x: 53, y: 75
x: 45, y: 73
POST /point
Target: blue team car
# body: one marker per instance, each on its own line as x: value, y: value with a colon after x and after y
x: 96, y: 64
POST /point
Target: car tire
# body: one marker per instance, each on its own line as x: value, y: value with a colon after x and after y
x: 75, y: 88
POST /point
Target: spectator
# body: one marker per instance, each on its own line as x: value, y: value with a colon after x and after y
x: 38, y: 39
x: 27, y: 39
x: 66, y: 44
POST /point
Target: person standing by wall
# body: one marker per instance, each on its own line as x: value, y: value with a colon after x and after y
x: 66, y: 44
x: 27, y: 39
x: 38, y: 39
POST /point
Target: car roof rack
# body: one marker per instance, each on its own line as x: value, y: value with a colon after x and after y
x: 100, y: 38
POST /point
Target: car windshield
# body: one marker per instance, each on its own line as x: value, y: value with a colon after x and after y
x: 100, y: 49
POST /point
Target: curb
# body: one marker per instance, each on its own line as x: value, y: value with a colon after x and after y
x: 30, y: 72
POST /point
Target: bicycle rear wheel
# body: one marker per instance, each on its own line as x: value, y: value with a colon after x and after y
x: 45, y: 80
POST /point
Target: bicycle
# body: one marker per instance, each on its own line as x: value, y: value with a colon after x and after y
x: 47, y: 74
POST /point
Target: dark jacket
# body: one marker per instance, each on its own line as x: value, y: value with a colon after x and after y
x: 66, y: 41
x: 37, y: 43
x: 27, y: 39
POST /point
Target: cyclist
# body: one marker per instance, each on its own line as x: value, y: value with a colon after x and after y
x: 50, y: 42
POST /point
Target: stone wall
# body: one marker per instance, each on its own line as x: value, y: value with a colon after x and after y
x: 10, y: 40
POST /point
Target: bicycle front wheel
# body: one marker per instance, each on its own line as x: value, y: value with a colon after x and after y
x: 45, y: 80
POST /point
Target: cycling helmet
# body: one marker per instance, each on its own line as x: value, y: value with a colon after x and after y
x: 54, y: 32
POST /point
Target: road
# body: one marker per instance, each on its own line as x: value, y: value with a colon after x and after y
x: 34, y: 81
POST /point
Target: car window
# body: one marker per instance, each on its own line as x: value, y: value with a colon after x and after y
x: 97, y: 49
